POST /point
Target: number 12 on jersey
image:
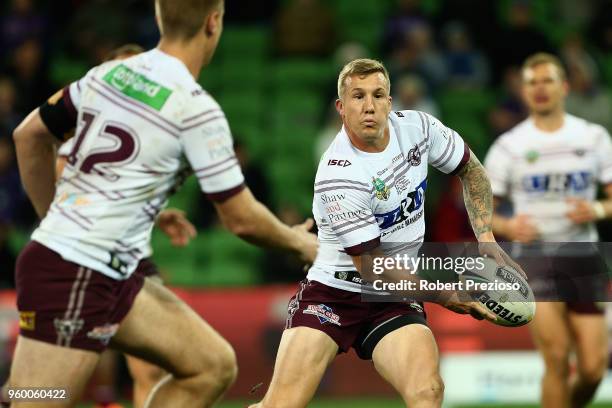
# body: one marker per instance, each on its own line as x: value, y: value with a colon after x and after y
x: 124, y: 149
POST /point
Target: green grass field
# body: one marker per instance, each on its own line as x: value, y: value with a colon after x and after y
x: 372, y: 403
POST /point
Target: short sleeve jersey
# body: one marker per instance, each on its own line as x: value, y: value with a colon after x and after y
x: 143, y: 125
x: 538, y: 171
x: 368, y: 200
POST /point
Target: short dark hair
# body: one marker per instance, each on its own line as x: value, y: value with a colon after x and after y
x: 183, y: 18
x: 540, y: 58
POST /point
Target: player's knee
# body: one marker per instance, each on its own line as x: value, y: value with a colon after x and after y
x: 556, y: 359
x: 213, y: 367
x: 230, y: 368
x: 428, y: 389
x: 225, y: 367
x: 215, y: 372
x: 593, y: 371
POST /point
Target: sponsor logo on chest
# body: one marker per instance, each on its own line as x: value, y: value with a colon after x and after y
x: 577, y: 181
x: 332, y: 198
x: 409, y: 209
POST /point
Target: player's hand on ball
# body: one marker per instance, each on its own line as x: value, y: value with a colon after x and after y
x: 176, y: 226
x: 581, y: 211
x: 493, y: 250
x: 308, y: 244
x: 453, y: 302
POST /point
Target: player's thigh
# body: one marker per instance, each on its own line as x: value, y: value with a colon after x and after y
x: 550, y: 330
x: 408, y: 357
x: 161, y: 329
x: 39, y: 364
x: 303, y: 356
x: 591, y: 342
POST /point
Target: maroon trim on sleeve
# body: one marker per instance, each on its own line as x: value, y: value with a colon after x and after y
x: 224, y: 195
x: 359, y: 249
x: 69, y: 104
x: 464, y: 160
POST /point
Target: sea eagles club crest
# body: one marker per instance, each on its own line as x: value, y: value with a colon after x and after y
x: 414, y: 156
x: 382, y: 191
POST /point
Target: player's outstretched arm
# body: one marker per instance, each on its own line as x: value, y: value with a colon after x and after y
x: 478, y: 198
x: 35, y: 147
x: 249, y: 219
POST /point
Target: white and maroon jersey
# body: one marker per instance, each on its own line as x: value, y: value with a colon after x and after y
x: 538, y: 171
x: 63, y: 152
x: 143, y: 125
x: 368, y: 200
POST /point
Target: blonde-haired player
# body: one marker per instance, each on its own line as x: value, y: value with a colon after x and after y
x: 369, y: 197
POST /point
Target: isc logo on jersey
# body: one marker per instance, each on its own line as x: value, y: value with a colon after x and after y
x: 412, y: 203
x: 341, y: 163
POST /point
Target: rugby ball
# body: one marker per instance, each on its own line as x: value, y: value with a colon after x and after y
x: 502, y: 290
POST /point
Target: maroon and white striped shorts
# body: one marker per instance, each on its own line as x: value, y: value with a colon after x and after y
x: 67, y: 304
x: 346, y: 319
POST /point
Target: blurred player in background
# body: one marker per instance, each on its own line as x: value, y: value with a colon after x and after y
x: 549, y: 166
x: 172, y: 222
x: 369, y: 199
x: 144, y: 123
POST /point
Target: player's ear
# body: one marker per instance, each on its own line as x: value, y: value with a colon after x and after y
x: 158, y: 18
x: 523, y: 93
x: 339, y: 107
x: 213, y: 23
x: 565, y: 87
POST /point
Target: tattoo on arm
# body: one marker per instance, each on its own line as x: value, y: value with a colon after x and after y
x: 477, y: 195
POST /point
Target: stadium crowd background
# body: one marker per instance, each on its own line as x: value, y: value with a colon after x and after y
x: 274, y: 75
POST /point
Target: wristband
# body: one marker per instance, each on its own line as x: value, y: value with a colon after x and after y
x: 599, y: 210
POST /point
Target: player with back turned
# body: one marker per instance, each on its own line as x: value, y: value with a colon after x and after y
x: 549, y: 167
x: 143, y: 124
x: 58, y: 119
x: 368, y: 201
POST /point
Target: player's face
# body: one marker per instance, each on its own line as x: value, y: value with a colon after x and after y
x: 543, y: 89
x: 365, y: 106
